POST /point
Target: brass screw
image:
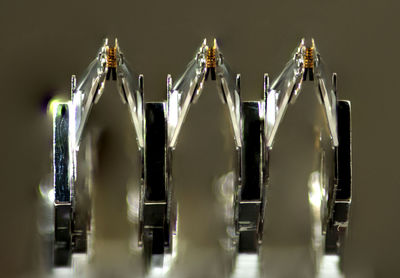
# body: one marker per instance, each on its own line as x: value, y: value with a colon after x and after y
x: 111, y: 57
x: 309, y: 58
x: 211, y: 59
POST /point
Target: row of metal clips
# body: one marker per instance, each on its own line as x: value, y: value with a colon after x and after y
x: 157, y: 126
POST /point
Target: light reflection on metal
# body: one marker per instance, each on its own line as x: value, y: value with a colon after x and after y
x: 329, y: 186
x: 306, y: 61
x: 255, y: 124
x: 247, y: 204
x: 184, y: 92
x: 69, y: 121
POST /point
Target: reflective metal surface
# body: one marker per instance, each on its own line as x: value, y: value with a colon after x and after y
x: 152, y: 204
x: 332, y: 135
x: 72, y: 198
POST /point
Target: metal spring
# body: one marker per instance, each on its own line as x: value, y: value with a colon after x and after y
x: 111, y: 57
x: 211, y: 59
x: 309, y: 58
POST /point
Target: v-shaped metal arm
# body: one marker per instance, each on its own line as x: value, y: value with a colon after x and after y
x: 69, y: 121
x: 305, y: 63
x: 110, y: 64
x: 247, y: 121
x: 333, y: 202
x: 158, y: 124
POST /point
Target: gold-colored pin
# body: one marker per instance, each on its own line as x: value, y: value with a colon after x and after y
x: 111, y: 57
x: 309, y: 58
x: 211, y: 57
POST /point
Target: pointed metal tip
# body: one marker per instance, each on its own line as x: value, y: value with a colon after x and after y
x: 73, y: 81
x: 301, y: 48
x: 116, y: 47
x: 169, y: 84
x: 266, y: 77
x: 266, y: 83
x: 204, y: 46
x: 215, y: 46
x: 105, y: 42
x: 309, y: 42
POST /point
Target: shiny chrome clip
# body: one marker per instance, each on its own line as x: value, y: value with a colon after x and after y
x: 162, y: 122
x: 184, y: 92
x: 330, y: 186
x: 247, y: 121
x: 69, y: 119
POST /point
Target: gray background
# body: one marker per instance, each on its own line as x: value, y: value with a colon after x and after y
x: 44, y: 42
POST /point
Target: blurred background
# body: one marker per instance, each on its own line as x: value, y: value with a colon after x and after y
x: 45, y: 42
